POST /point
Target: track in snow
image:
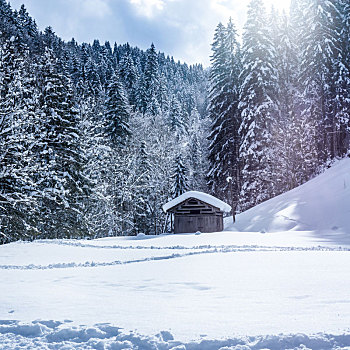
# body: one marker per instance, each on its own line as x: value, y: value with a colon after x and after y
x: 197, y: 250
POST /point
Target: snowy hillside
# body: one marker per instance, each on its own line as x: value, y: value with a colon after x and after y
x: 227, y: 290
x: 321, y: 205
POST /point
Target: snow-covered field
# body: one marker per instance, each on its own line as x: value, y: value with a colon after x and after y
x: 278, y: 279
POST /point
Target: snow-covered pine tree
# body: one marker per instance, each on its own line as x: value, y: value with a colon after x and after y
x: 340, y: 88
x: 140, y: 93
x: 142, y: 191
x: 62, y: 184
x: 27, y: 29
x: 232, y: 90
x: 163, y: 94
x: 117, y: 116
x: 345, y: 11
x: 346, y: 52
x: 95, y: 149
x: 198, y: 151
x: 175, y: 117
x: 258, y: 108
x: 319, y: 51
x: 179, y: 177
x: 294, y: 135
x: 17, y: 127
x: 129, y: 75
x: 151, y: 82
x: 91, y: 78
x: 223, y: 102
x: 7, y: 21
x: 117, y: 112
x: 153, y: 107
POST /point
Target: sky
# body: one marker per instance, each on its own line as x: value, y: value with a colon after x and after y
x: 180, y: 28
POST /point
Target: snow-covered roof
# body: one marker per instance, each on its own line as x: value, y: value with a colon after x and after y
x: 204, y: 197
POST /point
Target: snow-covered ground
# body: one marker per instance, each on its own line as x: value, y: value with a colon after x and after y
x: 321, y: 205
x: 279, y: 279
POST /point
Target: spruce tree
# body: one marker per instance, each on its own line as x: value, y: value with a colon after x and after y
x: 179, y: 177
x: 341, y: 82
x: 129, y: 75
x: 7, y: 21
x: 142, y: 192
x: 198, y: 151
x: 117, y: 112
x: 175, y: 117
x: 320, y: 50
x: 257, y: 107
x: 62, y: 186
x: 223, y: 102
x: 17, y: 103
x: 151, y: 82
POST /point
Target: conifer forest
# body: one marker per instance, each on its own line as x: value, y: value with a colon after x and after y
x: 96, y: 137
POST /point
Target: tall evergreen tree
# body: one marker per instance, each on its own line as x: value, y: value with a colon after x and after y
x: 293, y: 135
x: 142, y: 193
x: 179, y: 177
x: 198, y: 151
x: 223, y: 102
x: 17, y: 104
x: 151, y: 82
x: 117, y: 112
x: 341, y: 81
x: 176, y: 121
x: 258, y: 108
x: 320, y: 50
x: 62, y: 184
x: 129, y: 75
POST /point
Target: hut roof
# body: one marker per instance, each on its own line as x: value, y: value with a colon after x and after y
x: 204, y: 197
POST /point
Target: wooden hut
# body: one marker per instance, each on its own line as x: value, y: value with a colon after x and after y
x: 196, y: 211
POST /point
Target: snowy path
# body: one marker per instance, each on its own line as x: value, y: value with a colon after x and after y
x: 162, y: 254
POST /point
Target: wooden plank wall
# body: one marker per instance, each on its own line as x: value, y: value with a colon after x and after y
x: 193, y: 215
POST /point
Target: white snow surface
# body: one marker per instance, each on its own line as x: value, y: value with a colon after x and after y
x: 204, y: 197
x: 321, y: 205
x: 259, y: 289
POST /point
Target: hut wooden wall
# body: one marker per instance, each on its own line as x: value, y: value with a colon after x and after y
x: 194, y: 223
x: 194, y: 215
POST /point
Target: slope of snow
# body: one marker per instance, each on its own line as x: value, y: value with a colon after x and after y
x: 204, y: 197
x: 321, y: 205
x: 227, y: 290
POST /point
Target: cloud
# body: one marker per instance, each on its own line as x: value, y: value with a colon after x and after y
x: 94, y: 8
x: 192, y: 23
x: 148, y: 8
x: 220, y: 6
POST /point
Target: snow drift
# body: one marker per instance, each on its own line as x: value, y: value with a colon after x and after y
x: 321, y: 205
x: 55, y: 336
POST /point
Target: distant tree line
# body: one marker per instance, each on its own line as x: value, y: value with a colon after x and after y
x: 279, y: 103
x: 93, y: 139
